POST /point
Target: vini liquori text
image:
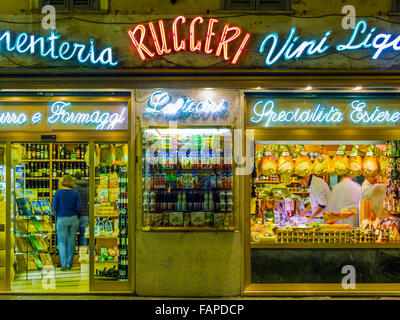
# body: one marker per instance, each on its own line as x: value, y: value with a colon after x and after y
x: 183, y: 35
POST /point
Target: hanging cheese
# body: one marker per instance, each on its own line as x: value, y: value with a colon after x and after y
x: 267, y: 165
x: 285, y: 162
x: 370, y: 163
x: 340, y: 162
x: 303, y: 165
x: 355, y: 163
x: 322, y: 164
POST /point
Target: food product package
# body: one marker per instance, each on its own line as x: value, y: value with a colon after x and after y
x: 370, y: 163
x: 303, y: 166
x: 384, y: 162
x: 285, y: 162
x: 121, y: 152
x: 355, y: 163
x: 267, y: 165
x: 257, y: 159
x: 107, y: 154
x: 322, y: 164
x: 340, y: 162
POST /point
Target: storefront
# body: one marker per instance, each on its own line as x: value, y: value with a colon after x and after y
x: 47, y: 135
x: 330, y: 135
x: 178, y: 104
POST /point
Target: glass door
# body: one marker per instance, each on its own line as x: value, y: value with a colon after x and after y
x: 36, y: 171
x: 110, y: 217
x: 5, y: 265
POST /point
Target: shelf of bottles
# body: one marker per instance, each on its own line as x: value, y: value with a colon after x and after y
x: 111, y: 213
x: 187, y: 179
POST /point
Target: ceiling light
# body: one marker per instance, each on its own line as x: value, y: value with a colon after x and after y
x: 357, y: 88
x: 308, y: 88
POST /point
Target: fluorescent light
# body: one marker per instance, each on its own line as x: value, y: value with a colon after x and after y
x: 308, y: 88
x: 258, y: 88
x: 357, y: 88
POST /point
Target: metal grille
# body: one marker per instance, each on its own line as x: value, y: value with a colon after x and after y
x: 273, y: 5
x: 72, y: 4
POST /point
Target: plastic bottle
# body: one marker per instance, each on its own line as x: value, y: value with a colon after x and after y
x: 210, y: 201
x: 205, y: 202
x: 183, y: 207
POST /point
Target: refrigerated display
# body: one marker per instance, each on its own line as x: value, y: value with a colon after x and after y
x: 187, y: 178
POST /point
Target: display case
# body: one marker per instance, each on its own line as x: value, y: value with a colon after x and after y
x: 111, y: 213
x: 187, y: 179
x: 279, y: 199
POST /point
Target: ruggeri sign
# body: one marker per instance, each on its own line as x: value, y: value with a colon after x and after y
x: 322, y: 112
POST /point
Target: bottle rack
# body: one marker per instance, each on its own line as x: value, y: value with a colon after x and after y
x: 191, y: 191
x: 116, y: 213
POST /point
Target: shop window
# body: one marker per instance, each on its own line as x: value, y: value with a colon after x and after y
x: 265, y: 5
x: 72, y: 4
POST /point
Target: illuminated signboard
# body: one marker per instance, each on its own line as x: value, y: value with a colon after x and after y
x: 59, y: 113
x: 160, y: 104
x: 187, y: 107
x: 295, y: 112
x: 50, y: 47
x: 65, y: 115
x: 294, y: 48
x: 148, y: 43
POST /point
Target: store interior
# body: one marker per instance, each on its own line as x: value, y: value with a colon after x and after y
x: 279, y: 198
x: 36, y: 169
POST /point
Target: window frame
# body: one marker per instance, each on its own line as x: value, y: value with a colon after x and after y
x: 94, y: 5
x: 255, y: 5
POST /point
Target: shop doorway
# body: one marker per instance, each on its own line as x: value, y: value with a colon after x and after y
x: 35, y: 177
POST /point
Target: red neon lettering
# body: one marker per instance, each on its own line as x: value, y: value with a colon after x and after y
x: 210, y: 33
x: 241, y: 47
x: 164, y: 48
x: 139, y: 45
x: 193, y: 47
x: 223, y: 43
x: 182, y: 44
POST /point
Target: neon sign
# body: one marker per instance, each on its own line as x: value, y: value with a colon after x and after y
x: 264, y: 111
x: 13, y: 118
x: 293, y: 48
x: 102, y: 120
x: 359, y: 115
x: 160, y: 104
x: 265, y: 114
x: 51, y: 48
x: 161, y: 46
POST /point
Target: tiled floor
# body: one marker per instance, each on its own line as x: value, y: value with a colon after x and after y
x: 65, y: 281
